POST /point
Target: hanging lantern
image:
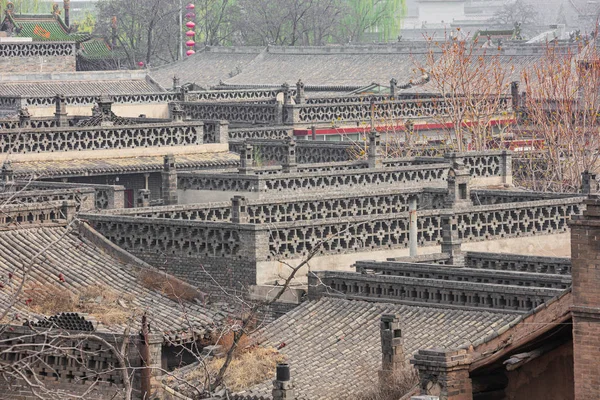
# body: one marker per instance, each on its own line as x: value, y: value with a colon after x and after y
x: 190, y: 6
x: 190, y: 15
x: 141, y: 64
x: 190, y: 52
x: 190, y: 43
x: 190, y: 24
x: 190, y: 34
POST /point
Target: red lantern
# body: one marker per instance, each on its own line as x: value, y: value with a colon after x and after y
x: 190, y: 43
x: 190, y: 52
x: 141, y: 64
x: 190, y: 24
x: 190, y: 34
x: 190, y: 15
x: 190, y: 6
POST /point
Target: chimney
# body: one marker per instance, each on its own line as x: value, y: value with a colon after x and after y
x: 392, y: 348
x: 105, y: 110
x: 61, y: 110
x: 67, y: 7
x: 8, y: 174
x: 283, y: 385
x: 287, y: 97
x: 175, y: 82
x: 143, y: 199
x: 169, y: 180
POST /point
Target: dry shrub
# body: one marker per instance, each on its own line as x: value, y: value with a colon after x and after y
x: 168, y: 285
x: 99, y: 301
x: 243, y: 345
x: 248, y: 368
x: 399, y: 384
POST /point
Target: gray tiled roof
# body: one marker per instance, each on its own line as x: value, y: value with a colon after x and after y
x: 77, y: 87
x: 206, y: 68
x: 334, y: 347
x: 352, y: 68
x: 123, y: 165
x: 83, y: 264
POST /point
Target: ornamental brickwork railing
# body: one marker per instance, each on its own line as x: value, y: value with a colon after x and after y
x: 498, y: 276
x: 37, y: 49
x: 32, y: 140
x: 307, y: 152
x: 431, y: 175
x: 15, y: 215
x: 83, y: 197
x: 389, y: 110
x: 510, y: 262
x: 265, y: 113
x: 16, y: 102
x: 106, y: 196
x: 428, y: 291
x: 481, y: 197
x: 307, y: 208
x: 233, y: 95
x: 391, y: 231
x: 178, y: 238
x: 260, y: 133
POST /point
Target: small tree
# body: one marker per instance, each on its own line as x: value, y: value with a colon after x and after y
x: 472, y: 85
x: 561, y: 110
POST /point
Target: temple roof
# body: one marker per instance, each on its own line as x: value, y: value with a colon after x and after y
x: 42, y: 27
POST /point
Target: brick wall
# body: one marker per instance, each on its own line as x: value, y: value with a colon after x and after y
x: 585, y: 234
x: 38, y: 64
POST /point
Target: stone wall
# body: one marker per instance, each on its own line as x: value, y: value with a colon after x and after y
x: 37, y: 57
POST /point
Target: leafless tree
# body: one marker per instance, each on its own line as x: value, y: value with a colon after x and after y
x: 517, y: 11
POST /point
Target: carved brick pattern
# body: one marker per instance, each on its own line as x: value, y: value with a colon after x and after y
x: 259, y: 133
x: 232, y: 95
x: 143, y: 98
x: 209, y: 134
x: 10, y: 103
x: 34, y: 49
x: 234, y: 183
x: 352, y: 236
x: 356, y: 178
x: 232, y: 112
x: 307, y: 210
x: 389, y: 110
x: 511, y: 221
x: 176, y: 239
x: 504, y: 262
x: 502, y: 221
x: 347, y: 99
x: 213, y: 214
x: 489, y: 197
x: 484, y: 165
x: 76, y: 139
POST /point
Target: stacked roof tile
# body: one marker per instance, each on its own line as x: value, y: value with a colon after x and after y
x: 334, y: 347
x: 103, y: 166
x: 68, y: 262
